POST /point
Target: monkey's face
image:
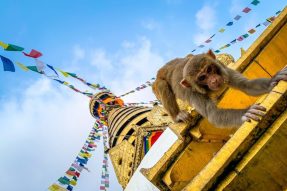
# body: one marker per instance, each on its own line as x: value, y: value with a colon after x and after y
x: 210, y: 77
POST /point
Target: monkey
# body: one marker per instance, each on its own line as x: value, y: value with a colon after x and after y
x: 194, y: 79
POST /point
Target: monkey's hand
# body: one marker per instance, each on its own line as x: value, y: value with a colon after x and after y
x: 255, y: 112
x: 183, y: 116
x: 281, y: 75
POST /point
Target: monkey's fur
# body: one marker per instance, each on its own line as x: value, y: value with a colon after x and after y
x: 182, y: 78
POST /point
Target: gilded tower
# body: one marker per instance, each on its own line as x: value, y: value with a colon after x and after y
x: 132, y: 131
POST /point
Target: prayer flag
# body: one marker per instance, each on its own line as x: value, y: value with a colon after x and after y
x: 234, y: 41
x: 255, y: 2
x: 258, y: 25
x: 40, y: 65
x: 217, y: 51
x: 64, y: 180
x: 73, y: 182
x: 64, y: 73
x: 278, y: 12
x: 208, y: 41
x: 229, y: 24
x: 201, y: 46
x: 222, y: 47
x: 3, y: 45
x: 240, y: 38
x: 7, y: 64
x: 266, y: 23
x: 212, y: 36
x: 33, y: 54
x: 251, y: 31
x: 71, y: 74
x: 246, y: 10
x: 245, y: 35
x: 51, y: 67
x: 193, y: 50
x: 22, y: 66
x: 12, y: 47
x: 69, y: 187
x: 59, y: 81
x: 221, y: 30
x: 34, y: 69
x: 271, y: 19
x: 237, y: 17
x: 56, y: 187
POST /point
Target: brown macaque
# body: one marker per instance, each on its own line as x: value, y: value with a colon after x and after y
x: 195, y: 79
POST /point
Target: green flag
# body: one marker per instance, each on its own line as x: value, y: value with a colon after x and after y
x: 12, y: 47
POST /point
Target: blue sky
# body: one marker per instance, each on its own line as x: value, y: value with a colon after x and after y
x: 119, y: 44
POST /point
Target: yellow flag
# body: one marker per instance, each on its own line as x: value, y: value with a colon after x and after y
x: 73, y: 182
x: 221, y: 30
x: 87, y: 155
x: 22, y: 66
x: 3, y: 45
x: 64, y: 73
x: 66, y: 83
x: 56, y: 187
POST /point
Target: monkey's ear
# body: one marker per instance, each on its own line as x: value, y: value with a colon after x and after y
x: 185, y: 83
x: 211, y: 54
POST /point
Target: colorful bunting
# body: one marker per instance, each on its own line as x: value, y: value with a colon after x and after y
x: 33, y: 54
x: 143, y: 86
x: 7, y: 64
x: 73, y: 173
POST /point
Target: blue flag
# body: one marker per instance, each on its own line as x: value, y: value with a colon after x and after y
x: 7, y: 64
x: 51, y: 67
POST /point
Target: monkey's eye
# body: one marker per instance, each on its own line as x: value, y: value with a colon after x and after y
x: 209, y: 69
x: 201, y: 78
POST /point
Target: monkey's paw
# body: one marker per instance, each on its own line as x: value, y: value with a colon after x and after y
x: 281, y: 75
x: 255, y: 112
x: 183, y: 116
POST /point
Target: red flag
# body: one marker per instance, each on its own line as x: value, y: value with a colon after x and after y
x: 33, y: 54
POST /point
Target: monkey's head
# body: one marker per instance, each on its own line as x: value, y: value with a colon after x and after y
x: 203, y: 73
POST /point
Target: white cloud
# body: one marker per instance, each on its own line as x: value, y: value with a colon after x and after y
x: 99, y: 59
x: 42, y: 130
x: 206, y: 18
x: 150, y: 24
x: 235, y: 8
x: 78, y: 53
